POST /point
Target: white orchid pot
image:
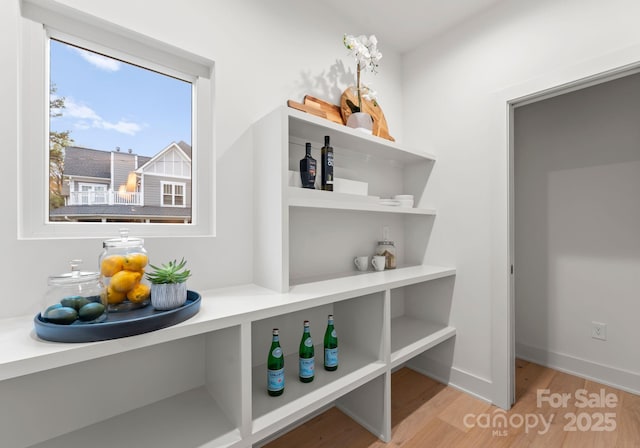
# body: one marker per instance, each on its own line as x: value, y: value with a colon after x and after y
x: 361, y: 121
x: 168, y: 296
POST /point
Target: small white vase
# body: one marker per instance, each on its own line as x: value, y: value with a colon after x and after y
x: 168, y: 296
x: 361, y: 121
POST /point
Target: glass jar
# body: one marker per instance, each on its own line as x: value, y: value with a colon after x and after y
x: 388, y: 250
x: 122, y: 264
x: 75, y: 297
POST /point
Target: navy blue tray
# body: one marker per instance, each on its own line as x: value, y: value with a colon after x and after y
x: 120, y: 324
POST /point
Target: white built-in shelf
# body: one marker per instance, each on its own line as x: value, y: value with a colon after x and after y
x: 362, y: 283
x: 410, y: 337
x: 309, y: 127
x: 354, y: 369
x: 302, y: 197
x: 22, y: 353
x: 187, y: 420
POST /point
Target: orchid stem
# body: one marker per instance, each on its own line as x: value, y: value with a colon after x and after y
x: 358, y: 88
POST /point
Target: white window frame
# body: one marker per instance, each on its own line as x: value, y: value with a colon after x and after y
x: 44, y: 20
x: 173, y: 194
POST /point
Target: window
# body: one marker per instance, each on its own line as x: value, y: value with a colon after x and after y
x: 173, y: 194
x: 69, y: 61
x: 98, y: 105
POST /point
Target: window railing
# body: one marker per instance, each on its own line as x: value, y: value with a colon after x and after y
x: 104, y: 198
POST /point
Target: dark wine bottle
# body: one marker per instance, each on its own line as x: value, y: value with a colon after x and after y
x: 275, y: 367
x: 306, y: 356
x: 327, y: 165
x: 308, y: 169
x: 330, y: 346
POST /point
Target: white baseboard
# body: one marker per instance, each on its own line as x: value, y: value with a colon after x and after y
x: 610, y: 376
x: 466, y: 382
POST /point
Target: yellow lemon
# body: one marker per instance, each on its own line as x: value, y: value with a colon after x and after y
x: 124, y: 281
x: 135, y: 262
x: 111, y: 264
x: 115, y: 297
x: 139, y: 293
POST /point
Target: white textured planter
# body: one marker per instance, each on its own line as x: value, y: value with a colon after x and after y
x: 361, y: 121
x: 168, y: 296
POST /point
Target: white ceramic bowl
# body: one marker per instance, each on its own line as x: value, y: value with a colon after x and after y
x: 406, y: 200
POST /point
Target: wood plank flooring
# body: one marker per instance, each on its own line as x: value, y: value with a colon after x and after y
x: 425, y: 413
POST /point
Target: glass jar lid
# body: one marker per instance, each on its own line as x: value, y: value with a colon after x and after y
x: 75, y: 276
x: 123, y: 241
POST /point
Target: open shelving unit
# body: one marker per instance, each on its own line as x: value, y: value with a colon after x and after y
x: 202, y: 382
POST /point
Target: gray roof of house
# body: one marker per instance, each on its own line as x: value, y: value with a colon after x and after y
x: 89, y: 162
x: 185, y: 147
x: 107, y: 211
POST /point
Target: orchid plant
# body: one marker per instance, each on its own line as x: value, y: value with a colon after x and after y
x: 365, y: 51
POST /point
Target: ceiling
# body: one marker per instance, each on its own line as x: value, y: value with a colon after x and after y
x: 404, y: 24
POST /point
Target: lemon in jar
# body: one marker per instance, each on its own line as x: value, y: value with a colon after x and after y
x: 139, y: 293
x: 135, y: 262
x: 115, y: 297
x: 124, y: 281
x: 111, y: 265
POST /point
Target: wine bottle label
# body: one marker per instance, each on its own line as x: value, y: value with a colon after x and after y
x: 277, y: 352
x: 275, y: 380
x: 331, y: 357
x: 307, y: 367
x: 308, y: 342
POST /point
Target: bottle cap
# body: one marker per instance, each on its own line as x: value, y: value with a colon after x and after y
x: 275, y: 331
x: 306, y: 322
x: 326, y: 140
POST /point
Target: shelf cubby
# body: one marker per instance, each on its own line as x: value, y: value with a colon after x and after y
x: 359, y: 323
x: 145, y: 397
x: 419, y: 318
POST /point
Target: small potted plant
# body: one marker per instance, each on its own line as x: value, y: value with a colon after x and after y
x: 364, y: 50
x: 169, y: 285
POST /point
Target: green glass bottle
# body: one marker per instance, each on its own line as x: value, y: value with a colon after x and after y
x: 306, y: 356
x: 275, y: 367
x: 330, y: 346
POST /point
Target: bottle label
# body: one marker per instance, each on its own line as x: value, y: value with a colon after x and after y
x: 333, y: 333
x: 275, y: 380
x: 331, y: 357
x: 308, y: 342
x: 307, y: 367
x: 329, y: 176
x: 277, y: 352
x: 312, y: 168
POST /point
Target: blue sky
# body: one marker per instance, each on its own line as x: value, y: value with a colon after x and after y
x: 111, y: 103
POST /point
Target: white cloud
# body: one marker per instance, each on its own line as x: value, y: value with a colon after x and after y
x: 75, y: 110
x: 124, y: 127
x: 99, y: 61
x: 88, y: 118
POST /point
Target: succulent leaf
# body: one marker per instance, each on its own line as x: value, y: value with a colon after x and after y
x: 171, y: 272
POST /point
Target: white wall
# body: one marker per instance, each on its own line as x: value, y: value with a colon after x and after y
x: 456, y: 88
x: 265, y: 53
x: 577, y: 247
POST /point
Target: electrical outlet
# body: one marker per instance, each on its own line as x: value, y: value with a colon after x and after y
x: 599, y: 331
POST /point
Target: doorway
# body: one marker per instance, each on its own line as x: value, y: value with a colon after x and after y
x: 574, y: 161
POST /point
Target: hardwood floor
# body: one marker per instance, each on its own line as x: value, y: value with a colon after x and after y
x: 426, y: 413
